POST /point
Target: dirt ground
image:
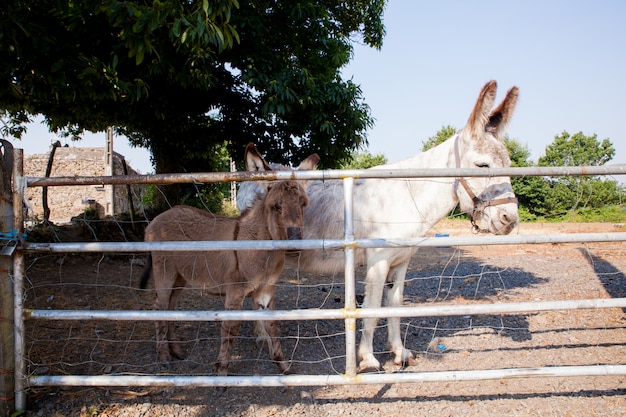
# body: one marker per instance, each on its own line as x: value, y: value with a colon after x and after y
x: 444, y: 275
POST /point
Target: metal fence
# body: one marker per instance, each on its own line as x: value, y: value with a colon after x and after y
x: 349, y: 312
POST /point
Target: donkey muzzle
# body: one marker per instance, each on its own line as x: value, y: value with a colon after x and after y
x: 294, y: 233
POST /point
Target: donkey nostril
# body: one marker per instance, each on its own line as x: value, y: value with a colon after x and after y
x: 508, y: 218
x: 294, y: 233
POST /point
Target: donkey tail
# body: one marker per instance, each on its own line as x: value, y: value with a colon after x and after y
x: 146, y: 272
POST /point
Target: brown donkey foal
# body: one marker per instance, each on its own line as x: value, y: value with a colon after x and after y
x: 234, y: 274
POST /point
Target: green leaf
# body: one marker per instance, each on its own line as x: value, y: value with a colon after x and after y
x: 139, y: 55
x: 176, y: 28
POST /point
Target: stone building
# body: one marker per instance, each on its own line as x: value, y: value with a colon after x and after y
x: 66, y: 202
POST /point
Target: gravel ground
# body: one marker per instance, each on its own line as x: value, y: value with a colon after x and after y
x: 437, y: 275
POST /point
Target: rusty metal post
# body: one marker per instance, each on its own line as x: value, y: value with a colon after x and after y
x: 7, y: 341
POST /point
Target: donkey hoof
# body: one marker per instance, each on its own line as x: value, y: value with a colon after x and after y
x: 411, y: 361
x: 371, y: 370
x: 405, y: 358
x: 177, y: 352
x: 369, y: 364
x: 285, y: 367
x: 221, y: 369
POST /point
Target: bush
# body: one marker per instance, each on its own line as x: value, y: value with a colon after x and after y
x: 609, y: 214
x: 525, y: 215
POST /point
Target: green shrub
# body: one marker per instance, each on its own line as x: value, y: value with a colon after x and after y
x: 608, y: 214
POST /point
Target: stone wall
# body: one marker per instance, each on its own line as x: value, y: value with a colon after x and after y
x: 68, y: 201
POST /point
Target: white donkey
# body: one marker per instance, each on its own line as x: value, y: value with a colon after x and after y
x: 410, y: 207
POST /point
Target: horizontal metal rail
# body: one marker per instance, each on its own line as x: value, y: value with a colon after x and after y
x: 324, y: 380
x: 435, y: 310
x: 326, y: 244
x: 211, y: 177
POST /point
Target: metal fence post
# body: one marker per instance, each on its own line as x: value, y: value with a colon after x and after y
x: 19, y: 194
x: 349, y: 275
x: 7, y: 342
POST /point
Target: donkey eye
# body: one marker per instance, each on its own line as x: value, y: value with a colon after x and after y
x: 482, y: 165
x: 278, y: 208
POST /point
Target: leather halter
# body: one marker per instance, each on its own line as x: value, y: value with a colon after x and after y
x: 479, y: 204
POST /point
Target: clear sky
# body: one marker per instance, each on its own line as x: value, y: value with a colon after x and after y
x: 567, y: 57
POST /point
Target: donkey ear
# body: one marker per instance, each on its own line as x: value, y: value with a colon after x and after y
x: 309, y: 163
x: 254, y: 160
x: 477, y: 121
x: 500, y: 116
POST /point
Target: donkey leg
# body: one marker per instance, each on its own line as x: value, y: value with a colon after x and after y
x: 162, y: 327
x: 374, y: 285
x: 230, y: 329
x: 395, y: 298
x: 168, y: 289
x: 267, y: 330
x: 174, y: 342
x: 162, y: 344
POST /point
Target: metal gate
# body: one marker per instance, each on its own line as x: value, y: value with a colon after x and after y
x: 349, y: 312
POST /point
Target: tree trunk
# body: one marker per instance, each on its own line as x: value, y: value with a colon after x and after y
x: 166, y: 161
x: 129, y: 195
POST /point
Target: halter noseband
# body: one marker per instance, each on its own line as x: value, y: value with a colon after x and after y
x: 479, y: 204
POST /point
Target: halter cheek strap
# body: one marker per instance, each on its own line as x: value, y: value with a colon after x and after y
x: 479, y: 204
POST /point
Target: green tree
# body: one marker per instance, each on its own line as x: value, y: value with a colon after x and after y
x: 183, y: 79
x: 519, y: 154
x: 530, y: 191
x: 568, y: 193
x: 441, y: 136
x: 363, y: 160
x: 577, y: 150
